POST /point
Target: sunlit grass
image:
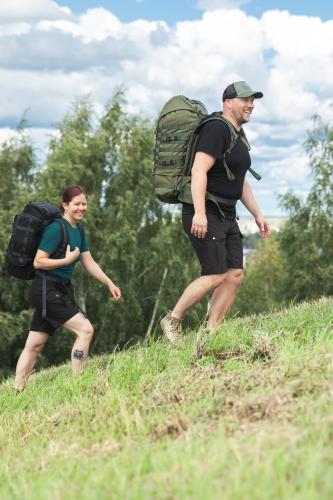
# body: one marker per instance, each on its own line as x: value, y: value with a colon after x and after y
x: 251, y: 419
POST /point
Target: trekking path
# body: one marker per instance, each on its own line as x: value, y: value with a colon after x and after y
x: 251, y: 419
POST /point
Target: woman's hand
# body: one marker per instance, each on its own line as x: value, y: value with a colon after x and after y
x: 114, y: 291
x: 71, y: 256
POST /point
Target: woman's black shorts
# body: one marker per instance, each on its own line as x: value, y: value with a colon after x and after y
x: 222, y: 248
x: 60, y: 306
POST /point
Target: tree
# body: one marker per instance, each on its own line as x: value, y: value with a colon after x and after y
x: 17, y: 171
x: 307, y: 237
x: 265, y: 276
x: 130, y: 234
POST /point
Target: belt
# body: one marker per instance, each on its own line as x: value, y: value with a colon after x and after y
x: 186, y: 197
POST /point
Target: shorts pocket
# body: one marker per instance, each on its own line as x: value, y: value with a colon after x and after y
x: 55, y: 297
x: 211, y: 254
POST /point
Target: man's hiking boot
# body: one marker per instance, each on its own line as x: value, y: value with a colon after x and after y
x: 172, y: 329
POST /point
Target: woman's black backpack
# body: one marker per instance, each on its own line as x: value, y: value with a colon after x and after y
x: 28, y: 227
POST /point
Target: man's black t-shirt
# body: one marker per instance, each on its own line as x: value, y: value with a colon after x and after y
x: 214, y: 139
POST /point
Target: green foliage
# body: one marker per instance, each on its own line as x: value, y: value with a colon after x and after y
x: 298, y: 262
x: 129, y: 234
x: 17, y: 172
x: 140, y: 245
x: 307, y: 237
x: 265, y: 276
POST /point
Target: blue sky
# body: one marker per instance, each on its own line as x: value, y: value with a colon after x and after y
x: 53, y: 52
x: 172, y: 11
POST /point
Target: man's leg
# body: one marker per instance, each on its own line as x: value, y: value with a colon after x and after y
x: 171, y: 324
x: 84, y: 331
x: 223, y: 297
x: 27, y: 360
x: 195, y: 292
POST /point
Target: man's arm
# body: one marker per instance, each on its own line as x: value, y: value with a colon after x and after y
x: 250, y: 203
x: 203, y: 162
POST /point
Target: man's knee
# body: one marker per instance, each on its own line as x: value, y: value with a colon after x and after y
x: 235, y: 276
x: 217, y: 279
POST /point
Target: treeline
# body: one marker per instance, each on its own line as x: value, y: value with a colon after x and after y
x: 297, y: 263
x: 140, y: 244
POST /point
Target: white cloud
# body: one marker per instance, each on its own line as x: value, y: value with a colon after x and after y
x: 8, y: 30
x: 220, y: 4
x: 15, y: 10
x: 97, y: 24
x: 49, y: 57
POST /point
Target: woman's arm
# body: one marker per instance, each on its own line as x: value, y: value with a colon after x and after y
x: 93, y: 268
x: 43, y: 261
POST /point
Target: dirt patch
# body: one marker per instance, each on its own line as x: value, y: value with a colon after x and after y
x: 173, y: 427
x: 272, y: 406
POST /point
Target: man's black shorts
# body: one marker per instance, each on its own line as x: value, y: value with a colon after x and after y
x: 60, y: 306
x: 222, y: 248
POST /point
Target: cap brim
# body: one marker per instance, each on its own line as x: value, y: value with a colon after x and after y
x: 256, y: 95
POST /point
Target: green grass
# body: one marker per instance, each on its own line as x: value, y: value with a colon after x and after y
x: 252, y: 419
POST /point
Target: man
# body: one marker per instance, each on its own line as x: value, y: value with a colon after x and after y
x: 211, y: 223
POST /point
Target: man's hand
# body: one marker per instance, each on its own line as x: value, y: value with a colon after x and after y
x: 114, y: 291
x: 199, y: 225
x: 263, y: 226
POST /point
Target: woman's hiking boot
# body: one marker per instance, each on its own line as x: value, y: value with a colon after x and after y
x: 172, y: 329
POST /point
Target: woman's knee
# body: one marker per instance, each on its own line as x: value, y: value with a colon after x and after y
x: 34, y: 346
x: 86, y: 332
x: 36, y: 341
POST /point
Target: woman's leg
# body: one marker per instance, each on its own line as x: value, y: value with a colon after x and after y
x: 26, y: 363
x: 84, y: 331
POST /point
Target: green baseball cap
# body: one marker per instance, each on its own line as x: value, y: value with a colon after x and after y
x: 240, y: 89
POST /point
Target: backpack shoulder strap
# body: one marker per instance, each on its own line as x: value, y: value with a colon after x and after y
x: 233, y: 139
x: 64, y: 239
x: 82, y: 232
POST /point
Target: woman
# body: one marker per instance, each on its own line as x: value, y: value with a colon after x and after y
x: 53, y: 277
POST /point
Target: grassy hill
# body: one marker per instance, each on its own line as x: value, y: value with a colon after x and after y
x: 252, y: 419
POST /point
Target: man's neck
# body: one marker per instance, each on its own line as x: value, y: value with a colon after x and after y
x: 232, y: 121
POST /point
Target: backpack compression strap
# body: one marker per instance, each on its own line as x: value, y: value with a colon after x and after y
x: 64, y: 241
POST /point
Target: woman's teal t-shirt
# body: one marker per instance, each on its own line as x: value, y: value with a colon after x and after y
x: 51, y: 240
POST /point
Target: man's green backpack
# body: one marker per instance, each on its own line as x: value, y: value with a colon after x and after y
x: 177, y: 131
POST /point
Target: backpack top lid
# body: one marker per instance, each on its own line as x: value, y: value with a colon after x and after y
x: 182, y: 103
x: 43, y: 210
